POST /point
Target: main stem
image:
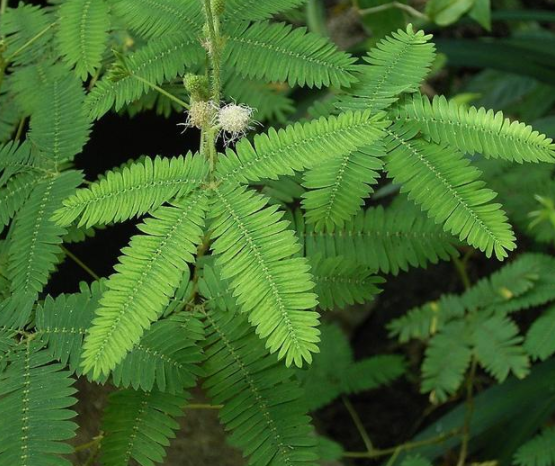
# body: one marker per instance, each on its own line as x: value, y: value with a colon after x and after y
x: 210, y: 133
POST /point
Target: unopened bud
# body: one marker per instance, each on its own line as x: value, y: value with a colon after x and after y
x: 197, y: 86
x: 218, y: 7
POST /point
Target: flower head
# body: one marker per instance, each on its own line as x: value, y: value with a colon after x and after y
x: 234, y: 121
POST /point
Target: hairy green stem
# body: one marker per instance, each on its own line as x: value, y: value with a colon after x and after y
x: 3, y: 6
x: 214, y: 51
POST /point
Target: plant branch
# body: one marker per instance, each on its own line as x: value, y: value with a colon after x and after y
x: 358, y: 424
x: 377, y: 453
x: 162, y: 91
x: 203, y: 406
x: 30, y: 42
x: 387, y: 6
x: 80, y: 263
x: 86, y: 446
x: 468, y: 414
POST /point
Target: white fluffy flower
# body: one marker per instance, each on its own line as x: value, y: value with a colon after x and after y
x: 234, y: 121
x: 199, y: 115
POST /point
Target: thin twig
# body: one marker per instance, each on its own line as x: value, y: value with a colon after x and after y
x: 203, y: 406
x: 162, y: 91
x: 358, y: 424
x: 80, y: 263
x: 468, y: 413
x: 30, y: 42
x: 94, y: 442
x: 377, y: 453
x: 387, y: 6
x: 19, y: 132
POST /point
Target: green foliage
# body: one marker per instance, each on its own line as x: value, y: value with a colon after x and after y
x: 539, y: 343
x: 134, y: 190
x: 150, y: 270
x: 454, y: 194
x: 341, y: 282
x: 334, y: 371
x: 83, y: 34
x: 397, y: 65
x: 338, y: 187
x: 389, y: 240
x: 22, y: 24
x: 257, y: 10
x: 276, y: 52
x: 240, y: 251
x: 273, y: 287
x: 474, y: 130
x: 477, y: 326
x: 35, y: 249
x: 162, y: 59
x: 138, y: 425
x: 59, y: 128
x: 299, y: 146
x: 35, y: 397
x: 156, y: 18
x: 262, y: 403
x: 166, y: 358
x: 539, y: 451
x: 63, y: 322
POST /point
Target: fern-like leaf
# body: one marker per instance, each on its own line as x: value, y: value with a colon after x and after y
x: 338, y: 187
x: 138, y: 426
x: 134, y: 190
x: 498, y: 347
x: 269, y: 103
x: 161, y: 60
x: 166, y: 358
x: 397, y: 64
x: 35, y: 395
x: 27, y: 30
x: 262, y: 403
x: 255, y: 251
x: 299, y: 146
x: 35, y: 248
x: 59, y: 127
x: 334, y: 371
x: 524, y: 283
x: 156, y: 18
x: 63, y: 322
x: 540, y: 451
x: 387, y: 240
x: 442, y: 181
x: 216, y: 290
x: 474, y: 130
x: 423, y: 322
x: 14, y: 195
x: 149, y: 272
x: 83, y: 34
x: 340, y: 282
x: 539, y: 342
x: 257, y: 10
x: 278, y: 53
x: 442, y: 376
